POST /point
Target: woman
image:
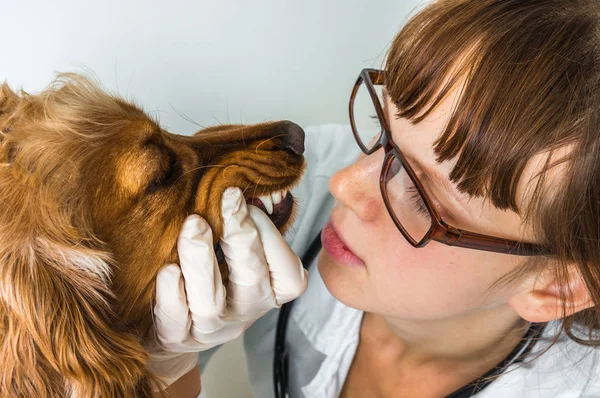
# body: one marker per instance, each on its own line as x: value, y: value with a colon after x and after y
x: 462, y: 254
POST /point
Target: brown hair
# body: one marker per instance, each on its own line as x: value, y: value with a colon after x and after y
x: 529, y: 75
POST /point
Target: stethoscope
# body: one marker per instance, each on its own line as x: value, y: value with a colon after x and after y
x: 281, y: 358
x: 280, y: 364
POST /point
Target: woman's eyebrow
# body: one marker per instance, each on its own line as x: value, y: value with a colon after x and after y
x: 431, y: 174
x: 446, y: 185
x: 449, y: 195
x: 446, y: 195
x: 434, y: 179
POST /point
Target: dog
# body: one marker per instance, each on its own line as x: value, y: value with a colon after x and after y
x: 93, y: 194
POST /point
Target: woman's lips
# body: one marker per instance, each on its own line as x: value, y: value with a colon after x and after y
x: 336, y: 248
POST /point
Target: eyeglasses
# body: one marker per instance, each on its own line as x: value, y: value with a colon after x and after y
x: 405, y: 198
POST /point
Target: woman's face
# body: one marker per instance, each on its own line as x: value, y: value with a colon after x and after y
x: 392, y: 277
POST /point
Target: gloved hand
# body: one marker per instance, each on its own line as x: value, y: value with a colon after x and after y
x: 194, y: 311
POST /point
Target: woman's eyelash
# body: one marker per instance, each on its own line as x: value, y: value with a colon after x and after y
x: 417, y: 201
x: 375, y: 118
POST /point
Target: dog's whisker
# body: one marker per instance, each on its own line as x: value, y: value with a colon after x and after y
x: 227, y: 110
x: 228, y: 166
x: 243, y: 137
x: 116, y: 77
x: 198, y: 168
x: 129, y: 83
x: 247, y: 187
x: 256, y: 185
x: 186, y: 117
x: 267, y: 140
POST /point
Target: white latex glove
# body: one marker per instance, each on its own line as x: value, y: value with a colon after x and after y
x: 194, y: 311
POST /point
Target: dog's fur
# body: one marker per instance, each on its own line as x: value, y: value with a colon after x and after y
x: 93, y: 193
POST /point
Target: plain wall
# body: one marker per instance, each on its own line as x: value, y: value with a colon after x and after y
x: 207, y: 61
x: 212, y: 61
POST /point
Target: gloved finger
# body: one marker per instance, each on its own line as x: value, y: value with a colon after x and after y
x: 289, y: 279
x: 229, y: 331
x: 202, y: 278
x: 249, y: 289
x: 171, y: 313
x: 199, y: 341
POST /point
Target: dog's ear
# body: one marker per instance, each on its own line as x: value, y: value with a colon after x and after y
x: 57, y: 333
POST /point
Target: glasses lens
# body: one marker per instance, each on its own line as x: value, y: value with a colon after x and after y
x: 366, y: 122
x: 405, y: 202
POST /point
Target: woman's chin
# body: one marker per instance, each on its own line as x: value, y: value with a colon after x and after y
x: 343, y: 282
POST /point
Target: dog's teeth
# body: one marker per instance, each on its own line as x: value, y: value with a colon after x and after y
x: 276, y: 196
x: 267, y: 202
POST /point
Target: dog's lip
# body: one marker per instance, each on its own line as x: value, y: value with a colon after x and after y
x: 281, y: 211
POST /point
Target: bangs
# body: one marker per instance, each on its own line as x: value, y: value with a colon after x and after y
x: 521, y: 82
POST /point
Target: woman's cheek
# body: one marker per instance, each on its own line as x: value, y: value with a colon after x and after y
x: 429, y: 285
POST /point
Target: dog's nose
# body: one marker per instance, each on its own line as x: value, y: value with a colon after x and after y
x: 293, y: 138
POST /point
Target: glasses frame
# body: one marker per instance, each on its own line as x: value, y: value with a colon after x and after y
x: 439, y: 231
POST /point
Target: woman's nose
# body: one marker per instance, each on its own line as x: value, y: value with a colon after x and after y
x: 357, y: 186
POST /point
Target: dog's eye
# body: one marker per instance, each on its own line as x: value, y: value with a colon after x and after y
x: 166, y: 176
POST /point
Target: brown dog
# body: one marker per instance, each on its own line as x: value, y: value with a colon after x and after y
x: 93, y: 194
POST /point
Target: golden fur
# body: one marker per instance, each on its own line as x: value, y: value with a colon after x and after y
x: 87, y: 218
